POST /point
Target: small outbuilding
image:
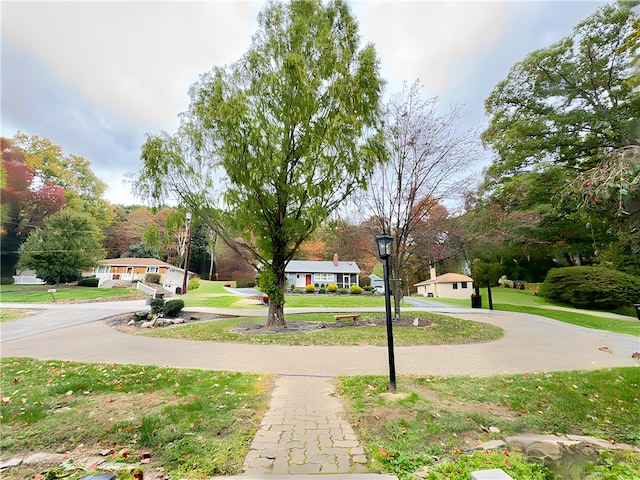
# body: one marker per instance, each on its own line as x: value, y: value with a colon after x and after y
x: 448, y: 285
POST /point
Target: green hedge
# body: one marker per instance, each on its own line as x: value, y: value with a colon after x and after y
x: 596, y: 288
x: 88, y: 282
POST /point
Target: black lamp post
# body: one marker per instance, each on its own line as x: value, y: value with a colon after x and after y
x: 186, y: 256
x: 385, y: 244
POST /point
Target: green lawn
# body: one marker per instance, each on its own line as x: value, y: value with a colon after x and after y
x: 445, y: 330
x: 435, y: 417
x: 193, y: 423
x: 40, y: 294
x: 524, y: 301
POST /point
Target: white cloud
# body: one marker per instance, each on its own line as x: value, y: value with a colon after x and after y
x: 138, y: 58
x: 426, y: 39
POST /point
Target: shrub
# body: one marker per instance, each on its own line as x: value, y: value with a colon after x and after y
x: 322, y: 290
x: 292, y: 287
x: 157, y: 306
x: 368, y: 293
x: 297, y: 290
x: 317, y: 285
x: 309, y: 289
x: 245, y: 284
x: 193, y: 284
x: 88, y: 282
x: 152, y: 278
x: 342, y: 291
x: 597, y: 288
x: 173, y: 308
x: 355, y: 290
x: 332, y: 288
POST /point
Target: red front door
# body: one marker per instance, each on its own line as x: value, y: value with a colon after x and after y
x: 308, y: 280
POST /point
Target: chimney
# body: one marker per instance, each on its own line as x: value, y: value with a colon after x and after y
x: 432, y: 273
x: 335, y: 259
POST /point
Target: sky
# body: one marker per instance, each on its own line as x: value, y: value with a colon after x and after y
x: 96, y: 77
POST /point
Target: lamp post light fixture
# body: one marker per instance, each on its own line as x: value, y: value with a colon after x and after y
x: 385, y: 245
x: 186, y: 255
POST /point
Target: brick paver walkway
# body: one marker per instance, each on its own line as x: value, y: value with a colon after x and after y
x: 303, y: 432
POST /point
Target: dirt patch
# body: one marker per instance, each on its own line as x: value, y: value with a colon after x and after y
x: 307, y: 327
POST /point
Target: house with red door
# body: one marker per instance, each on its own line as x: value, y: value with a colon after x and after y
x: 301, y: 273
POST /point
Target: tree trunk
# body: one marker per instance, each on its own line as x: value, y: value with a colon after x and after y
x: 275, y: 316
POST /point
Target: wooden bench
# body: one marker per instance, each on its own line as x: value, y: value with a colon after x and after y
x: 340, y: 319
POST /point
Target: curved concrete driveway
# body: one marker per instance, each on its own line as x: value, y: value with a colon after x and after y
x: 530, y: 344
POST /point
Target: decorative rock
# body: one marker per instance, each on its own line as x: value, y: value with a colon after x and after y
x: 131, y: 323
x: 178, y: 321
x: 493, y: 474
x: 42, y: 458
x: 147, y: 324
x: 12, y: 462
x: 490, y: 445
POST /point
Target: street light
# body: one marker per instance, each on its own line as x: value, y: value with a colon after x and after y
x: 385, y: 245
x: 186, y: 255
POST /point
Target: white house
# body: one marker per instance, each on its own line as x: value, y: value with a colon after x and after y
x: 449, y: 285
x: 301, y: 273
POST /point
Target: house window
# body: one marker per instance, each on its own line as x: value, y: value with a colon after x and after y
x: 152, y: 269
x: 463, y: 284
x: 101, y: 269
x: 323, y: 277
x: 455, y: 285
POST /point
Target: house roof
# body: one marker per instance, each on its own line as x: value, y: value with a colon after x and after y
x: 138, y: 262
x: 446, y: 278
x: 311, y: 266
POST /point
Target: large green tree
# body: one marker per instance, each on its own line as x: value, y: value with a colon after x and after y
x: 569, y: 104
x: 557, y: 121
x: 293, y: 128
x: 83, y: 189
x: 68, y: 243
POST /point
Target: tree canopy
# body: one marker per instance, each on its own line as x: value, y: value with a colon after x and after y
x: 564, y: 126
x: 571, y: 103
x: 293, y: 126
x: 68, y: 243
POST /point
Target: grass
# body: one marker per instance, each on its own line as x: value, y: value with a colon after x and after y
x: 193, y: 423
x: 445, y: 330
x: 524, y: 301
x: 442, y: 416
x: 12, y: 314
x: 40, y: 294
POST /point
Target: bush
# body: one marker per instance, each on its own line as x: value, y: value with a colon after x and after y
x: 309, y: 289
x: 597, y: 288
x: 332, y: 288
x: 152, y: 278
x: 297, y: 290
x: 322, y: 290
x: 342, y: 291
x: 245, y: 284
x: 157, y: 306
x: 193, y: 284
x: 355, y: 290
x: 173, y: 308
x: 368, y: 293
x: 88, y: 282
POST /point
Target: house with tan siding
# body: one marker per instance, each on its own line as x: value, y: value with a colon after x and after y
x: 449, y: 285
x: 130, y: 269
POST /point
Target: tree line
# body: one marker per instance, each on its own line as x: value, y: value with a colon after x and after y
x: 275, y: 148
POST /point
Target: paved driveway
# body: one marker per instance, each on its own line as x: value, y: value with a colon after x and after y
x: 530, y: 344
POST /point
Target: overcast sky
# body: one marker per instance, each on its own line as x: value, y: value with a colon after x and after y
x: 95, y: 77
